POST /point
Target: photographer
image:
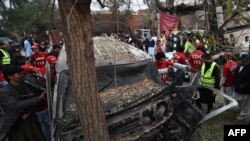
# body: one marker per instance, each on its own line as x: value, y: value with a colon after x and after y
x: 20, y: 122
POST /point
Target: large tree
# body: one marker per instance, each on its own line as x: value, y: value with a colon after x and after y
x: 76, y: 19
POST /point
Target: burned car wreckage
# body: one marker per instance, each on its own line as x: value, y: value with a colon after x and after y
x: 137, y: 105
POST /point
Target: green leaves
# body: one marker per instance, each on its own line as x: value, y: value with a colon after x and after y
x: 26, y: 15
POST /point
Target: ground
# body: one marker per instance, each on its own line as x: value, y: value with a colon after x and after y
x: 213, y: 129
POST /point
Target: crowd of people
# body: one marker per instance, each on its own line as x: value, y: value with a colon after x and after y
x: 190, y: 51
x: 25, y: 119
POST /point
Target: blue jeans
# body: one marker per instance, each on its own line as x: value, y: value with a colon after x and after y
x: 43, y: 118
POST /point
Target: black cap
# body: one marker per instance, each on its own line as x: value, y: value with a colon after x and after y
x: 56, y: 46
x: 9, y: 70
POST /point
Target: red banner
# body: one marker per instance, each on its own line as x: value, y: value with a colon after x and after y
x: 168, y: 22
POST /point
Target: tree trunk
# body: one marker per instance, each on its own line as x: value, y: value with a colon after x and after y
x: 76, y: 19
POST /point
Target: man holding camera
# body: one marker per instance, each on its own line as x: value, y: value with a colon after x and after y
x: 19, y: 123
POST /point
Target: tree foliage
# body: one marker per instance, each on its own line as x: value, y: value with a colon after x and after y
x: 26, y: 15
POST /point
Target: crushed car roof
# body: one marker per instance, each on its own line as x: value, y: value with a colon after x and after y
x: 109, y: 51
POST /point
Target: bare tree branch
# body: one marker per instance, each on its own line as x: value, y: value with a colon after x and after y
x: 162, y: 8
x: 101, y: 3
x: 2, y: 4
x: 33, y: 19
x: 52, y: 15
x: 128, y: 6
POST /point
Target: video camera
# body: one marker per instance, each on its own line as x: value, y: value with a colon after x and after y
x: 34, y: 84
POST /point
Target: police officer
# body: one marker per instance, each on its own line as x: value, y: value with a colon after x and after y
x: 4, y: 54
x: 210, y: 78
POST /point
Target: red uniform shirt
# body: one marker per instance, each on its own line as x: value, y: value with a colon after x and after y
x: 42, y: 73
x: 39, y: 59
x: 163, y: 65
x: 1, y: 78
x: 229, y: 72
x: 179, y: 57
x: 158, y: 48
x: 195, y: 60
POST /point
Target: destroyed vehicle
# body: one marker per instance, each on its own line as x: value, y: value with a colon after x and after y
x: 136, y: 103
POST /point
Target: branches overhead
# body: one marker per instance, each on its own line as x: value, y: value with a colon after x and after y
x: 162, y: 8
x: 2, y: 5
x: 101, y: 3
x: 23, y: 15
x: 33, y: 19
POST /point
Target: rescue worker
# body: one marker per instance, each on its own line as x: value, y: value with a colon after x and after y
x: 228, y: 75
x: 168, y: 70
x: 158, y: 47
x: 42, y: 111
x: 42, y: 72
x: 5, y: 55
x: 189, y: 46
x: 29, y: 69
x: 209, y: 78
x: 179, y: 56
x: 38, y: 58
x: 195, y: 60
x: 2, y: 80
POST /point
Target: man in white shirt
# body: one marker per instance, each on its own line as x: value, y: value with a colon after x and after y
x: 244, y: 46
x: 27, y: 48
x: 154, y: 37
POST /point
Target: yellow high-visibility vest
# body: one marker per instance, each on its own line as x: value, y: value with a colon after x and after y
x: 6, y: 57
x: 206, y: 79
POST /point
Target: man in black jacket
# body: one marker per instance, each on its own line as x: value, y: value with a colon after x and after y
x: 209, y: 78
x: 242, y: 87
x: 19, y: 122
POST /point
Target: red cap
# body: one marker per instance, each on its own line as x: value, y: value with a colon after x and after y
x: 35, y: 46
x: 51, y: 59
x: 198, y: 45
x: 29, y: 68
x: 35, y: 69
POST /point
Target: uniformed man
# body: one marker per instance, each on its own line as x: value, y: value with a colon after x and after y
x: 4, y: 54
x: 209, y: 78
